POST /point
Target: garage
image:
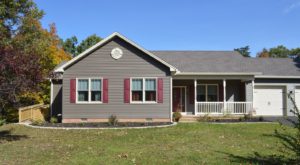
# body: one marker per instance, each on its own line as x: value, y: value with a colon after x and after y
x: 297, y: 97
x: 269, y: 100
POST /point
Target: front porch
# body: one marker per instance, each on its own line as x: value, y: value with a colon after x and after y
x: 213, y: 97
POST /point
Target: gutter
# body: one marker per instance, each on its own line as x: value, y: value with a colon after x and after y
x: 216, y: 73
x: 277, y: 77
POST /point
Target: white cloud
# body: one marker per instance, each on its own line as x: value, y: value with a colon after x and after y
x: 292, y: 7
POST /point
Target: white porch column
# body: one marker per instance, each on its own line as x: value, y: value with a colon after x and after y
x: 51, y: 97
x: 195, y: 97
x: 171, y: 99
x: 252, y: 106
x: 224, y: 94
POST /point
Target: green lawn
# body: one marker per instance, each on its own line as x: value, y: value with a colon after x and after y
x: 186, y: 143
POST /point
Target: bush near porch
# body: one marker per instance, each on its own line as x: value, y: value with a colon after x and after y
x: 186, y: 143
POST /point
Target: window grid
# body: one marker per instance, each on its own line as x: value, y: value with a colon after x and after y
x: 206, y: 91
x: 90, y: 90
x: 143, y: 89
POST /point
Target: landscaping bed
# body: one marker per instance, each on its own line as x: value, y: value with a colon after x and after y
x: 230, y: 119
x: 101, y: 125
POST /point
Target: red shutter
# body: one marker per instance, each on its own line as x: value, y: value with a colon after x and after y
x: 105, y: 90
x: 160, y: 93
x: 127, y: 90
x: 192, y: 94
x: 72, y: 90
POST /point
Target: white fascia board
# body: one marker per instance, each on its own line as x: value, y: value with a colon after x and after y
x: 217, y: 73
x: 277, y: 77
x: 78, y: 57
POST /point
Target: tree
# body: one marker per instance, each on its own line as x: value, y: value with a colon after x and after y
x: 291, y: 141
x: 87, y: 43
x: 279, y: 52
x: 295, y: 52
x: 244, y: 51
x: 19, y: 73
x: 70, y: 45
x: 25, y: 43
x: 11, y: 14
x: 263, y: 54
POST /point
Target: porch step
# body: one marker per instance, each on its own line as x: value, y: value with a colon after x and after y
x: 187, y: 118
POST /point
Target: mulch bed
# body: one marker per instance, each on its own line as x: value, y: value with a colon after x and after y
x: 234, y: 120
x: 102, y: 125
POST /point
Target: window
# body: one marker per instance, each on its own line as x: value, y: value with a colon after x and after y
x: 201, y: 93
x: 137, y: 90
x: 96, y: 90
x: 89, y: 90
x: 207, y: 92
x: 83, y: 90
x: 150, y: 89
x: 143, y: 90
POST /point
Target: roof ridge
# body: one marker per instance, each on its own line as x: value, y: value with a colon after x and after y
x: 192, y: 51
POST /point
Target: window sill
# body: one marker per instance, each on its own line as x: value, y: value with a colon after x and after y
x: 143, y: 102
x: 89, y: 102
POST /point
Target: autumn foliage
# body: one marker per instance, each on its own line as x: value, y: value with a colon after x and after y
x: 28, y: 54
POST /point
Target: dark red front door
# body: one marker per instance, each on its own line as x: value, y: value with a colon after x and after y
x: 176, y: 99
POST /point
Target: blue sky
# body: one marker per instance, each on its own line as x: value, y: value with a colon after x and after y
x: 180, y: 24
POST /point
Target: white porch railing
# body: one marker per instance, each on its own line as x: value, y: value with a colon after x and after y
x: 238, y: 107
x: 219, y: 107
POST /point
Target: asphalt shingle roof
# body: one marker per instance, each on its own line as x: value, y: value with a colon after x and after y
x: 228, y: 61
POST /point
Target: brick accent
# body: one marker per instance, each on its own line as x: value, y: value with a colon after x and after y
x: 106, y: 120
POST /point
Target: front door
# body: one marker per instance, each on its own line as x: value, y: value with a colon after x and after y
x: 179, y: 99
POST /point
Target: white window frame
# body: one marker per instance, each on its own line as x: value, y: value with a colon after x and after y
x: 89, y: 90
x: 144, y: 91
x: 206, y: 85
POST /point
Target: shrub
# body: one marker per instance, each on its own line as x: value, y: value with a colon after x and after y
x: 53, y: 120
x: 204, y: 118
x: 2, y: 121
x: 247, y: 116
x: 38, y: 122
x: 176, y: 116
x: 112, y: 120
x: 260, y: 118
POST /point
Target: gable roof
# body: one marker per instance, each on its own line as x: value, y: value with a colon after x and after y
x: 102, y: 42
x: 274, y: 67
x: 229, y: 62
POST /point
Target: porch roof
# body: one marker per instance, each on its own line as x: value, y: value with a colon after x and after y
x: 223, y: 62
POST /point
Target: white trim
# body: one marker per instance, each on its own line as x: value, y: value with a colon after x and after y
x: 195, y: 97
x: 275, y: 77
x: 253, y: 86
x: 224, y: 94
x: 102, y: 42
x: 185, y: 98
x: 89, y: 90
x: 144, y: 91
x: 171, y: 99
x: 51, y: 97
x: 217, y: 73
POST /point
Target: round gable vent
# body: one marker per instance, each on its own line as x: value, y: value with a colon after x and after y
x: 116, y: 53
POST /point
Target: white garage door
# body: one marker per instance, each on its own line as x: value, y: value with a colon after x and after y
x: 269, y: 100
x: 297, y: 97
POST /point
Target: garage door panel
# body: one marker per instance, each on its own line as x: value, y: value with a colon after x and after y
x: 269, y: 100
x: 297, y: 97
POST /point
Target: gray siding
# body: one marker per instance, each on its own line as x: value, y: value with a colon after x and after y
x: 249, y: 91
x: 56, y: 107
x: 99, y: 63
x: 290, y: 86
